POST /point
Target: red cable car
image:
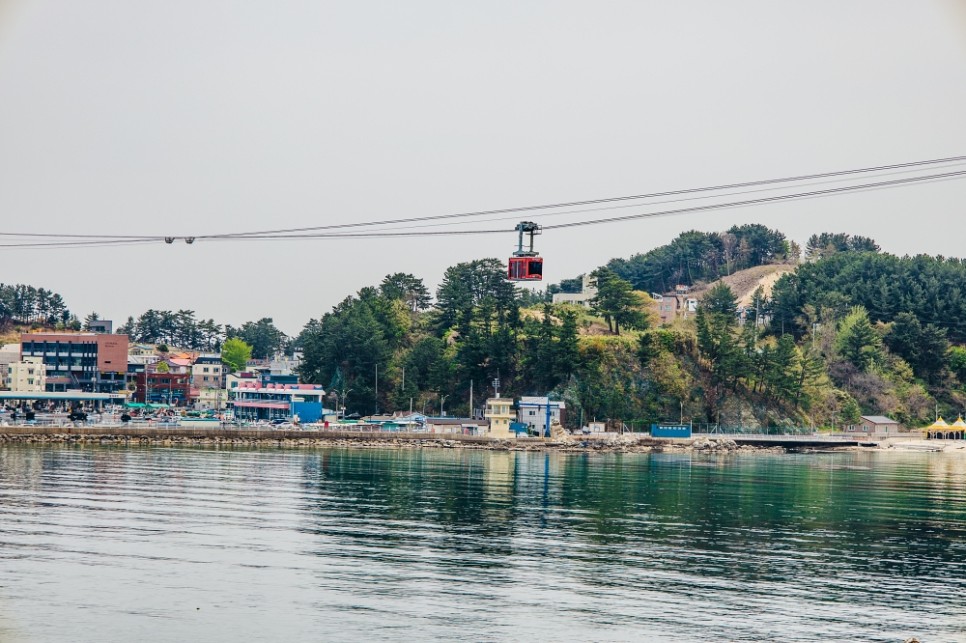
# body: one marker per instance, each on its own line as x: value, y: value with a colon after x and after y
x: 525, y: 265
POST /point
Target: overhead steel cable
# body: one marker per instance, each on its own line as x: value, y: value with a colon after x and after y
x: 763, y: 200
x: 862, y: 187
x: 649, y: 204
x: 67, y: 239
x: 77, y: 244
x: 531, y: 208
x: 57, y: 235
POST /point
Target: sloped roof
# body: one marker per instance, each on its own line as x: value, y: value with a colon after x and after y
x: 879, y: 419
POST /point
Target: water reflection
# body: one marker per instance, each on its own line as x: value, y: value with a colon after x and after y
x: 370, y: 544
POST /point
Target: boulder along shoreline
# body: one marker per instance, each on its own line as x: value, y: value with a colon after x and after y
x: 622, y: 444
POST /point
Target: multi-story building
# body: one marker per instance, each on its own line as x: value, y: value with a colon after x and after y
x: 674, y: 305
x: 95, y: 362
x: 27, y: 376
x: 209, y: 399
x: 234, y: 380
x: 499, y: 411
x: 9, y: 353
x: 539, y: 412
x: 154, y: 387
x: 252, y: 401
x: 207, y: 372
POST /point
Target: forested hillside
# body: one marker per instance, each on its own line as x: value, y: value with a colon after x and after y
x: 23, y: 304
x: 849, y: 331
x: 841, y: 331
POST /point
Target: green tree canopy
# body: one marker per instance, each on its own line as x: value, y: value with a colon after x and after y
x: 406, y: 288
x: 235, y: 354
x: 857, y: 341
x: 616, y: 301
x: 265, y: 339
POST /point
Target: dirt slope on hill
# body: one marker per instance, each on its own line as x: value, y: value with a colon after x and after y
x: 744, y: 282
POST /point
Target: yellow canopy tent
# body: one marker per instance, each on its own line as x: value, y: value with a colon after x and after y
x: 959, y: 428
x: 937, y: 429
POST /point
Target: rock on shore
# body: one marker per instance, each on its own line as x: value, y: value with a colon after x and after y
x: 571, y: 444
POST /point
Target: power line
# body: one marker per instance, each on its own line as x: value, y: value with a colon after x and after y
x: 92, y: 240
x: 51, y: 245
x: 771, y: 199
x: 531, y: 208
x: 864, y: 187
x: 630, y: 205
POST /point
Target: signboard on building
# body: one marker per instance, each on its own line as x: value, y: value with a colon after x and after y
x: 670, y: 430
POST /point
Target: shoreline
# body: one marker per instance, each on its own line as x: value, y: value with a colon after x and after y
x: 141, y: 436
x: 608, y: 443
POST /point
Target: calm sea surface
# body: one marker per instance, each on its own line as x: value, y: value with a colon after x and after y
x: 165, y: 544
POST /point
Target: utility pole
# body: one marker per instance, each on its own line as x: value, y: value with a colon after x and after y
x: 377, y: 390
x: 546, y: 426
x: 471, y: 399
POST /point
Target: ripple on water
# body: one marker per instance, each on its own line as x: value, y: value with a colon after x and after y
x: 198, y: 544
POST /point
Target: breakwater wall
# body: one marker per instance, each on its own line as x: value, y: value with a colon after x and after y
x: 295, y: 438
x: 120, y: 434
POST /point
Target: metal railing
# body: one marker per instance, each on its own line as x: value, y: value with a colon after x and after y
x: 722, y: 429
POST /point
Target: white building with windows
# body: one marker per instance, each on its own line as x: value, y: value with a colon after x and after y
x: 535, y: 411
x: 588, y: 291
x: 27, y: 376
x: 208, y: 372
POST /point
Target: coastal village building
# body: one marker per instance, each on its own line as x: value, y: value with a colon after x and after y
x: 9, y: 353
x: 535, y: 412
x: 27, y: 376
x: 209, y: 399
x: 207, y: 372
x: 463, y: 426
x: 105, y: 326
x: 675, y: 305
x: 398, y: 422
x: 142, y: 350
x: 252, y: 402
x: 583, y: 298
x: 234, y: 380
x: 160, y: 383
x: 180, y: 365
x: 93, y: 362
x: 499, y: 412
x: 152, y: 387
x: 875, y: 425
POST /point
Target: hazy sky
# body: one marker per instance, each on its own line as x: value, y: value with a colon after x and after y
x: 185, y: 118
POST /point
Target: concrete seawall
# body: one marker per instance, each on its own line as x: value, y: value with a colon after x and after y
x: 297, y: 438
x: 114, y: 434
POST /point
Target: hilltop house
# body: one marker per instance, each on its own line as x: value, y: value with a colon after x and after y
x: 587, y: 293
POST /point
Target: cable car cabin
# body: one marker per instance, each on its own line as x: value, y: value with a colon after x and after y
x: 525, y: 269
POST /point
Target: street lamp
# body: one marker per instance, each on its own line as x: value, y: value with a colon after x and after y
x: 442, y: 401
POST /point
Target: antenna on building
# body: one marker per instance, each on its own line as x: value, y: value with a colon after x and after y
x: 496, y: 386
